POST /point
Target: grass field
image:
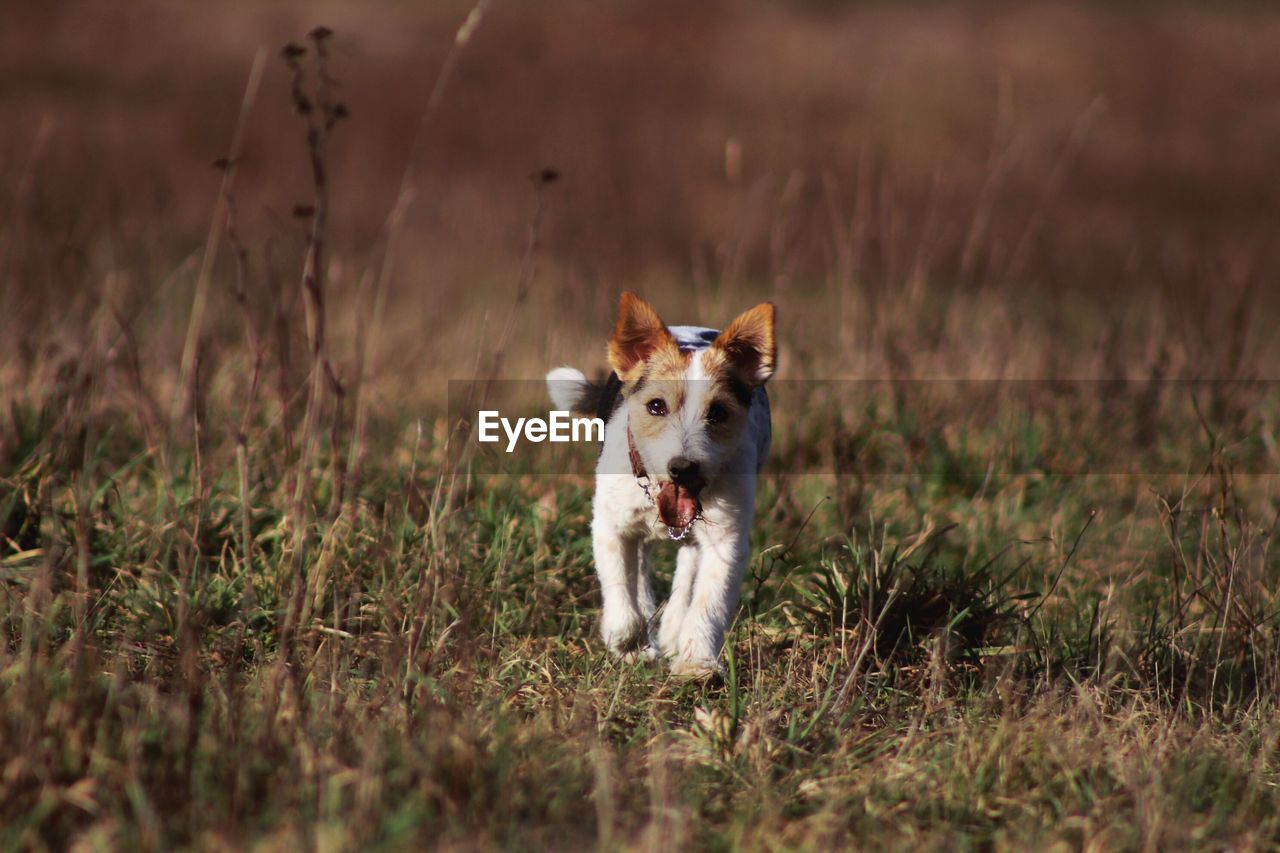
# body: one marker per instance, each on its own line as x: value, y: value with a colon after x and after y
x: 1015, y: 592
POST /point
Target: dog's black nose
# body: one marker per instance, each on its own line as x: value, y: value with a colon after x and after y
x: 685, y: 472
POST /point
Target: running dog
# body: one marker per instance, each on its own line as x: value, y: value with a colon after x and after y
x: 686, y: 432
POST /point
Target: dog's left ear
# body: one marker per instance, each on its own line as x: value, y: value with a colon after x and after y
x: 748, y: 344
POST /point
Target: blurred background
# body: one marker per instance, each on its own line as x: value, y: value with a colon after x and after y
x: 925, y: 189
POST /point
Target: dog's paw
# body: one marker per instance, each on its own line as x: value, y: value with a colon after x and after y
x: 669, y: 637
x: 696, y: 669
x: 640, y: 655
x: 621, y: 629
x: 626, y: 636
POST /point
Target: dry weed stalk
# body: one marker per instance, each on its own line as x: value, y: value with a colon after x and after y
x: 253, y: 343
x: 195, y: 325
x: 320, y: 113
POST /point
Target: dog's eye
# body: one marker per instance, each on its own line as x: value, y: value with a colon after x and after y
x: 656, y: 407
x: 717, y: 413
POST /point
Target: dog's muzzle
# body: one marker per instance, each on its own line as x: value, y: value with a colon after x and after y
x: 677, y: 501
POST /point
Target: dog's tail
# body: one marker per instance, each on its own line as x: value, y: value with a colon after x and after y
x: 572, y: 392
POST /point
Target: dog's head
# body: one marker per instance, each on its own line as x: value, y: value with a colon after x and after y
x: 687, y: 410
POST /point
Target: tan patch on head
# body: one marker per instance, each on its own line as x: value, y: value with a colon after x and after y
x: 715, y: 363
x: 665, y: 383
x: 667, y: 363
x: 722, y: 395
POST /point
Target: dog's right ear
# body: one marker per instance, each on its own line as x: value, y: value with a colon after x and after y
x: 749, y: 345
x: 637, y: 335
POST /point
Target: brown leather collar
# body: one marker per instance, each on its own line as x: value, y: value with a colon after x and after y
x: 637, y: 466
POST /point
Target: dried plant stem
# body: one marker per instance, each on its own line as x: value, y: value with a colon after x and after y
x: 368, y: 353
x: 320, y: 119
x: 460, y: 41
x: 196, y: 321
x: 366, y: 337
x: 253, y: 343
x: 528, y: 272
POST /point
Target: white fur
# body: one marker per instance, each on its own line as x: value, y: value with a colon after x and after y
x: 565, y: 384
x: 712, y: 558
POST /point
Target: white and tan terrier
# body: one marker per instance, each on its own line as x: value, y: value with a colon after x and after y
x: 686, y: 432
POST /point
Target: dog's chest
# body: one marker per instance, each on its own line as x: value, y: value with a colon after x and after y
x: 622, y: 503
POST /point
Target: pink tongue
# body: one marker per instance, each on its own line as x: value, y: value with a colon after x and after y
x: 677, y: 506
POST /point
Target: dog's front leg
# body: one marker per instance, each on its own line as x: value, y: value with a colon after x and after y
x: 721, y: 564
x: 678, y: 604
x: 621, y: 565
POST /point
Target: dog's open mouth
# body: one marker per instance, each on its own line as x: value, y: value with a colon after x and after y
x: 679, y: 508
